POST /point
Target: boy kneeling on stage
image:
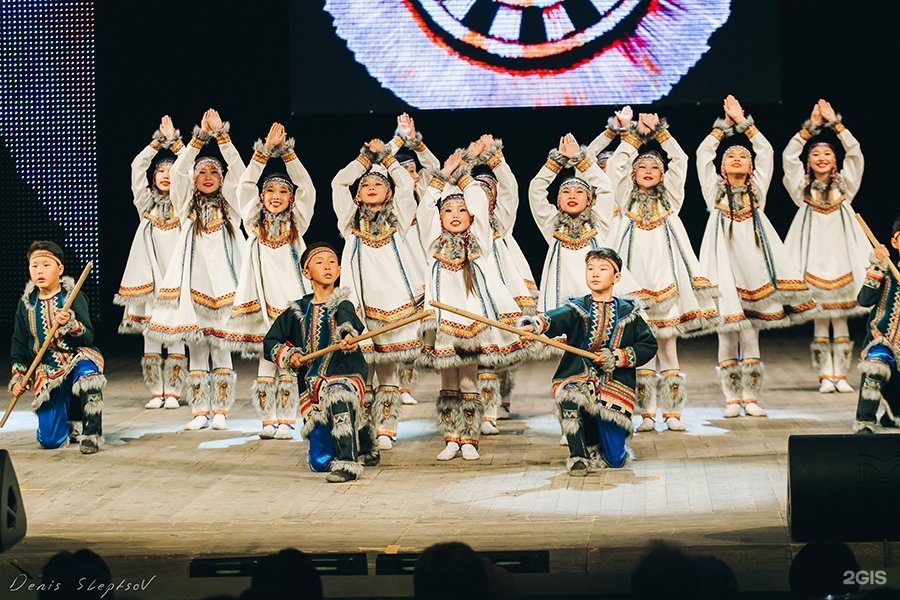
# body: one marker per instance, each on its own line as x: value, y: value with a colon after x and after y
x: 68, y: 383
x: 595, y: 400
x: 331, y: 387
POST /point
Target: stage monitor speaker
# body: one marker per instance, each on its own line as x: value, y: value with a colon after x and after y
x: 844, y: 487
x: 12, y: 511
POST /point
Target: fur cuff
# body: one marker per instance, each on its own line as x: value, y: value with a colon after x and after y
x: 201, y: 135
x: 411, y: 142
x: 163, y: 141
x: 810, y: 129
x: 611, y: 124
x: 830, y: 124
x: 564, y: 161
x: 225, y: 128
x: 747, y: 124
x: 662, y: 126
x: 375, y: 157
x: 723, y: 126
x: 260, y: 146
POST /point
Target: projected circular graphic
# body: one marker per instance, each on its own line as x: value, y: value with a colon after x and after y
x: 506, y: 53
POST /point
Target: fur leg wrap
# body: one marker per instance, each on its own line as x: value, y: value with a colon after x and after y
x: 820, y: 354
x: 470, y: 415
x: 408, y: 376
x: 198, y: 392
x: 570, y: 418
x: 92, y: 414
x: 751, y: 378
x: 151, y: 370
x: 224, y: 387
x: 489, y: 387
x: 447, y: 407
x: 843, y: 353
x: 367, y: 402
x: 321, y: 413
x: 672, y: 393
x: 507, y: 382
x: 731, y: 380
x: 175, y: 371
x: 386, y: 410
x: 645, y: 393
x: 288, y: 400
x: 265, y: 399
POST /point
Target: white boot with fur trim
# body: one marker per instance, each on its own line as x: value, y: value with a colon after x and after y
x: 821, y: 358
x: 672, y: 396
x: 730, y: 378
x: 843, y: 353
x: 646, y: 388
x: 752, y: 380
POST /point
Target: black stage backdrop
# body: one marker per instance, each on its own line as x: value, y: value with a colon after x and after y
x: 235, y: 57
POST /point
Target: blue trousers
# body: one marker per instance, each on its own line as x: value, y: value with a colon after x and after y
x: 54, y: 414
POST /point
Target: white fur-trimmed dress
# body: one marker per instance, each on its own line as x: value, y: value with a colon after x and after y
x: 378, y: 264
x: 153, y: 243
x: 824, y: 236
x: 453, y: 340
x: 741, y: 252
x: 270, y: 277
x: 653, y: 243
x: 195, y: 299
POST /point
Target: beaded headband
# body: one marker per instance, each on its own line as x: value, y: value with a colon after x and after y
x: 207, y: 160
x: 739, y: 148
x: 647, y: 156
x: 455, y: 198
x: 820, y: 145
x: 44, y: 254
x: 576, y: 182
x: 279, y: 179
x: 316, y: 251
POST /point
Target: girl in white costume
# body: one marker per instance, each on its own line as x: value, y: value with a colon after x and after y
x: 502, y: 190
x: 382, y: 272
x: 456, y: 231
x: 414, y: 156
x: 194, y: 302
x: 148, y: 260
x: 275, y: 217
x: 678, y: 298
x: 579, y: 222
x: 825, y: 236
x: 760, y: 284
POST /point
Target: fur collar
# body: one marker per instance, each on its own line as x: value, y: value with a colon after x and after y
x: 576, y: 223
x: 298, y: 306
x: 455, y: 247
x: 379, y: 220
x: 628, y: 308
x: 645, y: 200
x: 65, y: 282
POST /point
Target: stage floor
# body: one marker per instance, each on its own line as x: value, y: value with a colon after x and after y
x: 157, y: 497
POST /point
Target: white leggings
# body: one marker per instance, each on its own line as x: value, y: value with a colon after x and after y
x: 741, y: 344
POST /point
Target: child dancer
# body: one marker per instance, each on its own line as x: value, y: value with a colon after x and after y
x: 68, y: 383
x: 880, y: 347
x: 148, y: 260
x: 595, y: 399
x: 456, y: 231
x: 832, y: 248
x: 502, y: 191
x: 414, y: 156
x: 742, y: 254
x: 195, y: 300
x: 381, y: 271
x: 655, y: 247
x: 331, y: 386
x: 580, y: 222
x: 275, y: 217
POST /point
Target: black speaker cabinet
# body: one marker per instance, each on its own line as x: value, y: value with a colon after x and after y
x: 844, y: 487
x: 12, y: 511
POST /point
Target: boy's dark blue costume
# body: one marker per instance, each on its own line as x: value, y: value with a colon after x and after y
x: 595, y: 401
x: 68, y: 383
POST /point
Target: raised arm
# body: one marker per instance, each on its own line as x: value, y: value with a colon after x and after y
x: 706, y: 169
x: 543, y: 212
x: 676, y: 173
x: 404, y: 198
x: 341, y: 197
x: 305, y: 196
x: 219, y: 130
